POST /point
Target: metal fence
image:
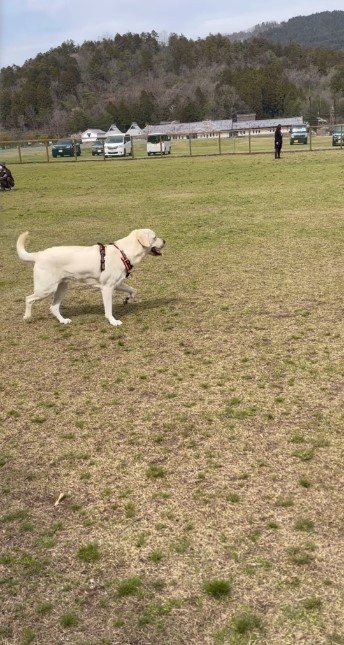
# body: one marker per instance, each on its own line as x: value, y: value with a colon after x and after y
x: 233, y: 142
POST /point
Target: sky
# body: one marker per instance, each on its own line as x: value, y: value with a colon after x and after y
x: 29, y: 27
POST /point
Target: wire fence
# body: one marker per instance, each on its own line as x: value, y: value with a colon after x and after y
x: 249, y: 141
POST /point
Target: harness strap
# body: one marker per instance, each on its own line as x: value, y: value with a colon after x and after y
x: 128, y: 266
x: 102, y: 255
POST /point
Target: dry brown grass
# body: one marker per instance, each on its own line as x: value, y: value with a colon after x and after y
x: 180, y: 440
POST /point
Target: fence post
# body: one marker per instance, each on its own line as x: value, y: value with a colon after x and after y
x: 341, y: 136
x: 75, y: 155
x: 220, y: 151
x: 46, y: 150
x: 19, y: 152
x: 310, y: 137
x: 132, y: 147
x: 190, y: 147
x: 249, y: 140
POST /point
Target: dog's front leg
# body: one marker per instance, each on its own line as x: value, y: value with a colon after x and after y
x: 107, y: 292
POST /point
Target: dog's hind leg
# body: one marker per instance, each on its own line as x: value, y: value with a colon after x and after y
x: 29, y: 300
x: 44, y: 285
x: 38, y: 294
x: 107, y: 300
x: 55, y: 307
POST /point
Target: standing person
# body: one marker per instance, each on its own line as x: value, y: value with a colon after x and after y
x: 278, y: 142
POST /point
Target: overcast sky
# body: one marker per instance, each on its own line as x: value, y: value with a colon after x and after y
x: 32, y: 26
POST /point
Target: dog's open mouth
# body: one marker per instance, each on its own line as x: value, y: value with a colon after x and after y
x: 155, y: 251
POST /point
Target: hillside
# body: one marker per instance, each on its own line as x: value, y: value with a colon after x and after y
x: 135, y: 77
x: 325, y: 29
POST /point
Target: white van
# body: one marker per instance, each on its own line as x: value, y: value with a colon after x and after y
x: 117, y: 145
x: 158, y: 144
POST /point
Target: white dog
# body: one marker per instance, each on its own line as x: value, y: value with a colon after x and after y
x: 98, y: 266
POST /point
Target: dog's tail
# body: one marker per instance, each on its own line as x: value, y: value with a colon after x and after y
x: 23, y: 254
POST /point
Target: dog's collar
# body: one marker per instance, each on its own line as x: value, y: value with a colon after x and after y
x: 128, y: 266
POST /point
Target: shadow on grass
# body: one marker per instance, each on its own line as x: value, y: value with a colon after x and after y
x: 120, y: 309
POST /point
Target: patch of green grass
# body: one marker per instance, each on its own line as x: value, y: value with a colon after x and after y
x: 285, y: 502
x: 234, y: 498
x: 182, y: 545
x: 69, y: 619
x: 155, y: 472
x: 130, y: 510
x: 129, y: 586
x: 89, y: 553
x: 218, y: 588
x: 304, y: 455
x: 38, y: 419
x: 3, y: 460
x: 45, y: 608
x: 28, y: 636
x: 301, y: 555
x: 232, y: 411
x: 304, y: 482
x: 14, y: 414
x: 313, y: 603
x: 155, y: 556
x: 156, y: 611
x: 118, y: 622
x: 297, y: 438
x: 304, y: 524
x: 254, y: 535
x: 20, y: 514
x: 245, y: 622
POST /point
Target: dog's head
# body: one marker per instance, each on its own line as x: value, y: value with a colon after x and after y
x: 149, y: 241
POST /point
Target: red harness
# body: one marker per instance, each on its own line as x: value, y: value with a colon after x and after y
x: 128, y: 266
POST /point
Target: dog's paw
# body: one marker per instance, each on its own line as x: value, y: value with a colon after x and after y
x: 26, y: 317
x: 130, y: 298
x: 114, y: 322
x: 65, y: 321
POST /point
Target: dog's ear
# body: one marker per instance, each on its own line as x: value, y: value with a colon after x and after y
x: 146, y: 237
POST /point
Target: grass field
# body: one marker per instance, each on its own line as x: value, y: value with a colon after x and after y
x: 198, y: 447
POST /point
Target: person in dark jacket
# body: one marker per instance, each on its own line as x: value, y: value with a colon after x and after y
x: 6, y: 178
x: 278, y: 142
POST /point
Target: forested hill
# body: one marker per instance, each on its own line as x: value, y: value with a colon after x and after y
x: 325, y: 29
x: 135, y: 77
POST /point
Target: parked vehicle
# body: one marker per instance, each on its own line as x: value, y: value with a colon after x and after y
x: 298, y: 134
x: 158, y: 144
x: 338, y: 136
x: 117, y: 145
x: 66, y: 148
x: 97, y: 147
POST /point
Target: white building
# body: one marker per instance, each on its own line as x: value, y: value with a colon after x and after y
x: 91, y: 134
x: 224, y: 127
x: 113, y: 129
x: 134, y: 130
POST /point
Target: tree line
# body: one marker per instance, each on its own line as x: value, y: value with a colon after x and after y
x: 136, y: 77
x: 324, y: 29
